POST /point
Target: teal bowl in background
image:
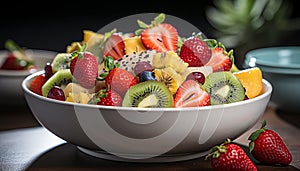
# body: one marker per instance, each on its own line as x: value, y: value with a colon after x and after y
x: 281, y: 67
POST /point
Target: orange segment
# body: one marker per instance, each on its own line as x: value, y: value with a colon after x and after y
x: 251, y: 79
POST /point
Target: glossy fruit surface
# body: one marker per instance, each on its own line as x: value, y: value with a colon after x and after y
x: 57, y: 93
x: 268, y: 147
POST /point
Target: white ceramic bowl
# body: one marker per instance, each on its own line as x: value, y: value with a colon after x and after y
x: 10, y: 80
x: 145, y: 134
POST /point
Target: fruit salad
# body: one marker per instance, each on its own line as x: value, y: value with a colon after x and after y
x: 152, y: 67
x: 16, y: 58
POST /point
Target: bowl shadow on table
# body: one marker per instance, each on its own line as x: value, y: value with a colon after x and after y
x: 67, y: 157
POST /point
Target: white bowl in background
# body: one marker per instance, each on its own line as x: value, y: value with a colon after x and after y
x: 281, y: 66
x: 10, y: 80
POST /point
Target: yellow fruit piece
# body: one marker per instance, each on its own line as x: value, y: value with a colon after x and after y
x: 251, y: 79
x: 169, y: 59
x: 78, y: 98
x: 133, y: 45
x: 92, y: 37
x: 169, y: 77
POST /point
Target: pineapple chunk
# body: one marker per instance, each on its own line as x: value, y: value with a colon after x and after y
x: 133, y: 45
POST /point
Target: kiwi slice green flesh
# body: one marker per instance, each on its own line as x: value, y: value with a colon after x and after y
x: 61, y: 61
x: 61, y: 77
x: 148, y: 94
x: 224, y: 88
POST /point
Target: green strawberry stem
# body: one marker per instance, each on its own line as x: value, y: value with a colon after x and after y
x: 79, y: 52
x: 155, y: 22
x: 256, y: 134
x: 12, y: 46
x: 99, y: 95
x: 217, y: 150
x: 109, y: 64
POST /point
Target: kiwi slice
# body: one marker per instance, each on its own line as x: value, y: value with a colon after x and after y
x: 224, y: 88
x: 60, y: 78
x: 148, y: 94
x: 61, y: 61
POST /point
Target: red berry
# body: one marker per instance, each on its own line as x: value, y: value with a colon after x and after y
x: 48, y: 70
x: 195, y: 52
x: 37, y: 83
x: 84, y: 67
x: 197, y: 76
x: 111, y: 98
x: 12, y: 63
x: 230, y: 157
x: 141, y: 67
x: 120, y: 80
x: 162, y: 38
x: 219, y: 61
x: 57, y: 93
x: 189, y: 94
x: 268, y: 147
x: 114, y: 47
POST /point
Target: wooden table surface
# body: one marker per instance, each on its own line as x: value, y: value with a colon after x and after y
x: 25, y: 145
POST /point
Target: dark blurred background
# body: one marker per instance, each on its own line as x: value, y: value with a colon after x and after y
x: 52, y: 25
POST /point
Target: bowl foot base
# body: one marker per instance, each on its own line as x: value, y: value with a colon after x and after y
x: 138, y: 159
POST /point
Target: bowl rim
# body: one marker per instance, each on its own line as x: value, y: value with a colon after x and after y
x: 251, y: 55
x: 283, y: 71
x: 26, y: 90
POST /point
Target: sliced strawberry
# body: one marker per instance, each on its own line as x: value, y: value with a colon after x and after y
x: 120, y: 80
x: 219, y: 60
x: 162, y: 38
x: 190, y: 94
x: 195, y: 52
x: 114, y: 47
x: 37, y: 83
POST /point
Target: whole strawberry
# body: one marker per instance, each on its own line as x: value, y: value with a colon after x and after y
x: 120, y: 80
x: 195, y: 52
x: 84, y: 68
x: 107, y: 97
x: 268, y: 147
x: 111, y: 98
x: 230, y: 157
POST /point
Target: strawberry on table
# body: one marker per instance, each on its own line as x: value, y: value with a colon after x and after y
x: 220, y: 60
x: 84, y: 68
x: 114, y: 47
x: 159, y: 36
x: 230, y: 157
x: 120, y: 80
x: 195, y: 51
x: 190, y: 94
x: 268, y: 147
